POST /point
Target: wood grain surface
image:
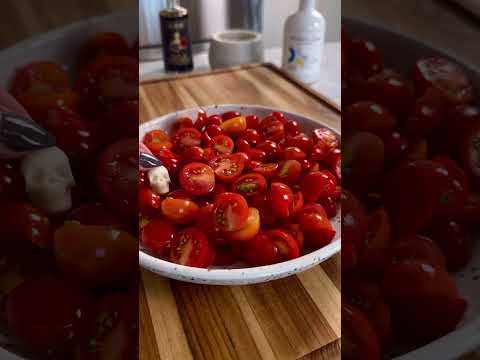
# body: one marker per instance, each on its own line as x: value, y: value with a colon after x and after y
x: 21, y: 19
x: 293, y: 318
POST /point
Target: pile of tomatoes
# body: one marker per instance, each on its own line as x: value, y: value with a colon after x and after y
x: 243, y: 188
x: 68, y: 281
x: 411, y: 176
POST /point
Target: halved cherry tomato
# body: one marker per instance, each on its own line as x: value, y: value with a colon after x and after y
x: 253, y: 121
x: 193, y: 154
x: 316, y: 227
x: 25, y: 224
x: 201, y: 121
x: 470, y: 152
x: 330, y: 206
x: 271, y: 149
x: 281, y: 198
x: 358, y: 335
x: 186, y: 138
x: 182, y: 122
x: 242, y: 145
x: 214, y: 120
x: 301, y: 141
x: 117, y: 176
x: 96, y: 256
x: 179, y: 211
x: 227, y: 167
x: 327, y: 136
x: 293, y: 153
x: 38, y: 105
x: 257, y: 154
x: 272, y: 128
x: 157, y: 236
x: 366, y: 57
x: 269, y: 169
x: 287, y: 246
x: 296, y: 232
x: 262, y: 203
x: 204, y: 219
x: 197, y: 178
x: 298, y: 202
x: 40, y: 77
x: 446, y: 77
x: 149, y: 202
x: 250, y: 230
x: 120, y: 121
x: 261, y: 251
x: 471, y: 212
x: 222, y: 144
x: 157, y: 140
x: 289, y: 172
x: 318, y: 184
x: 368, y: 116
x: 320, y: 151
x: 250, y: 135
x: 191, y: 248
x: 250, y: 185
x: 292, y: 127
x: 230, y: 211
x: 101, y: 44
x: 234, y: 126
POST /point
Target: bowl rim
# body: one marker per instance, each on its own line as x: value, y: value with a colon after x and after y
x: 247, y: 275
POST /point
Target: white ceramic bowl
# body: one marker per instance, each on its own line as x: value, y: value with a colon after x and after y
x: 62, y: 46
x: 401, y: 53
x: 237, y: 275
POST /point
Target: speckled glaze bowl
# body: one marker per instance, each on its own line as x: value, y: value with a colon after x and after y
x: 401, y: 52
x: 238, y: 274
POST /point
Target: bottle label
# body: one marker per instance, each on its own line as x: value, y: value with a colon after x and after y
x: 304, y: 55
x: 176, y: 42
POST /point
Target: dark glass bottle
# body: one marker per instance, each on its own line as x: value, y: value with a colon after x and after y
x: 177, y: 47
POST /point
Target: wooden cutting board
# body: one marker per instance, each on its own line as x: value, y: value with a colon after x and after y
x: 293, y: 318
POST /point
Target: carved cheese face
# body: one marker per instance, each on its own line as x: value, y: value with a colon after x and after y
x: 48, y: 179
x: 159, y: 180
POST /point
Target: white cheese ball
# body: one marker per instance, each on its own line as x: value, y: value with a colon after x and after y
x: 159, y: 180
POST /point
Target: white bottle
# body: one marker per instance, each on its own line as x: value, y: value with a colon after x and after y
x: 303, y: 43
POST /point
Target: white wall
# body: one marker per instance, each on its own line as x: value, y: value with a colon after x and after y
x: 277, y: 11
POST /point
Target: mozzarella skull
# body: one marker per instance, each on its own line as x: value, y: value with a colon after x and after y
x: 48, y: 179
x: 159, y: 180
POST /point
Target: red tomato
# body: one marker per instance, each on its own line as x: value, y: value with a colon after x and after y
x: 242, y: 145
x: 368, y: 116
x: 95, y: 214
x: 251, y: 135
x: 369, y: 298
x: 223, y: 257
x: 193, y: 154
x: 318, y: 184
x: 320, y: 151
x: 250, y: 230
x: 179, y: 211
x: 120, y: 121
x: 250, y: 185
x: 230, y: 211
x: 24, y: 224
x: 287, y: 246
x: 470, y: 153
x: 293, y: 153
x: 149, y: 202
x: 316, y: 227
x: 365, y: 57
x: 107, y: 80
x: 112, y: 328
x: 271, y: 149
x: 298, y: 202
x: 269, y: 169
x: 396, y: 147
x: 96, y: 256
x: 354, y: 218
x: 330, y: 206
x: 428, y: 115
x: 186, y: 138
x: 12, y: 185
x: 296, y: 232
x: 292, y: 127
x: 272, y: 128
x: 375, y: 245
x: 230, y: 115
x: 222, y: 144
x: 301, y: 141
x: 214, y: 120
x: 471, y: 212
x: 182, y: 122
x: 289, y: 171
x: 157, y: 236
x: 446, y: 77
x: 101, y: 44
x: 191, y: 248
x: 327, y: 136
x: 204, y: 219
x: 59, y: 310
x: 262, y: 203
x: 117, y: 176
x: 348, y: 255
x: 73, y: 134
x: 197, y: 178
x: 227, y: 167
x: 261, y: 251
x: 253, y: 121
x: 38, y: 105
x: 201, y: 121
x: 157, y: 140
x: 257, y: 155
x: 40, y: 77
x: 281, y: 198
x: 455, y: 243
x: 360, y: 341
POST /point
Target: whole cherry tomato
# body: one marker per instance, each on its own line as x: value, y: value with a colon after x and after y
x: 253, y: 121
x: 271, y: 148
x: 281, y: 197
x: 318, y: 184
